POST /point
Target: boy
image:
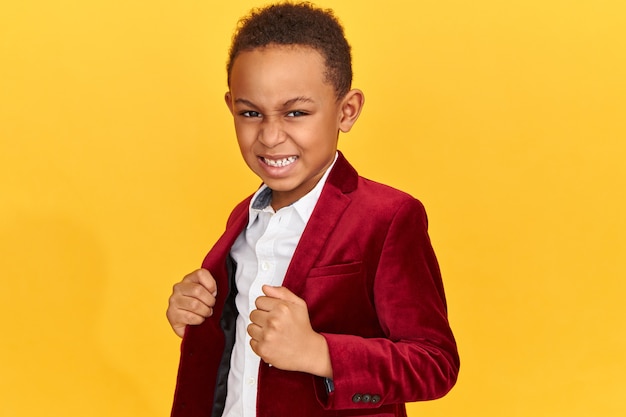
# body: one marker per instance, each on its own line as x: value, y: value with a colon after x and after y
x: 323, y: 296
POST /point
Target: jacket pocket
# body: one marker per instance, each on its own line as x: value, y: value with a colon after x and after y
x: 340, y: 300
x: 337, y: 270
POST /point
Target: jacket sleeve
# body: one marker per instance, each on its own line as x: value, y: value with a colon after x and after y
x: 417, y: 359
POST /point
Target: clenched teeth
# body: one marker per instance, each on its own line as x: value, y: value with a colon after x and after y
x: 280, y: 162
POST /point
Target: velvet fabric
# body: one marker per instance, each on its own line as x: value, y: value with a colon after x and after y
x: 370, y: 278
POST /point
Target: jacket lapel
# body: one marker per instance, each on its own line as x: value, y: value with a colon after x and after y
x: 332, y: 203
x: 215, y: 260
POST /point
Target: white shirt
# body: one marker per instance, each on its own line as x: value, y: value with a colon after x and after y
x: 262, y: 252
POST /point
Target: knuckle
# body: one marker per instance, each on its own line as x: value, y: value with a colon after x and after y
x: 196, y: 290
x: 274, y: 323
x: 189, y: 276
x: 171, y: 303
x: 197, y: 306
x: 204, y: 274
x: 193, y: 318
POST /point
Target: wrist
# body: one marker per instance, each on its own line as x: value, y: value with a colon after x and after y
x: 319, y: 358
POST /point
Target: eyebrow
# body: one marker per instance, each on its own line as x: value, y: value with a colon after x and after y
x: 301, y: 99
x: 288, y: 103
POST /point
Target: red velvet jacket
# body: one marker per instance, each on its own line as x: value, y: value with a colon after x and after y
x: 366, y: 269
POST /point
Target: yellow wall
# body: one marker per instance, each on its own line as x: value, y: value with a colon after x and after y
x: 118, y: 166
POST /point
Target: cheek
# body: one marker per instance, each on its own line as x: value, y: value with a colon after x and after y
x: 245, y: 135
x: 311, y: 135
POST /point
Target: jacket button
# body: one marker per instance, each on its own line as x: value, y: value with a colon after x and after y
x: 375, y: 399
x: 366, y: 398
x: 356, y: 398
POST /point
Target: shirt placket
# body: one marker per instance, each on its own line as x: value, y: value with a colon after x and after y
x: 266, y: 269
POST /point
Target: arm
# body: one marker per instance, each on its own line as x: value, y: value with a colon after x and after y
x: 417, y: 359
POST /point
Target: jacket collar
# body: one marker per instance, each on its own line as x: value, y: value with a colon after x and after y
x: 343, y: 176
x: 333, y: 201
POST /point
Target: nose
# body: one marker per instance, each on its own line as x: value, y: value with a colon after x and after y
x: 272, y: 133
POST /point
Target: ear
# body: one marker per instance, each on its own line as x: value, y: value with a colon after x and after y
x: 229, y: 101
x: 350, y: 109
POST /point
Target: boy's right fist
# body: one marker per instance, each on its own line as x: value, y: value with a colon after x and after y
x: 192, y: 300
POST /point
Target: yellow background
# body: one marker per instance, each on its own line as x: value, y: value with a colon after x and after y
x: 118, y: 167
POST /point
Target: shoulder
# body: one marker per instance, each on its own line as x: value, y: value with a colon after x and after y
x: 370, y: 198
x: 347, y: 180
x: 367, y: 186
x: 380, y: 197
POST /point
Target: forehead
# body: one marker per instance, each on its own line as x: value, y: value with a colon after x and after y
x: 279, y: 67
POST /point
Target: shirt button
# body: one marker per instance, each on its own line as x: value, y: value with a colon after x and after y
x: 251, y: 381
x: 265, y: 266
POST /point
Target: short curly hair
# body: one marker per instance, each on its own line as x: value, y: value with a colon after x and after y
x: 297, y: 24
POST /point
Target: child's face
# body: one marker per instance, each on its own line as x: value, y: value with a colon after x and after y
x: 287, y: 117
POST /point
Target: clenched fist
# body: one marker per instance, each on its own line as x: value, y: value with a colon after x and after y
x: 192, y: 300
x: 282, y: 335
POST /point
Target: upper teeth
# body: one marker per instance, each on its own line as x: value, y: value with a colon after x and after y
x: 280, y: 162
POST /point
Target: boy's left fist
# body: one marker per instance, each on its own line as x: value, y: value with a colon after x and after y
x: 282, y: 335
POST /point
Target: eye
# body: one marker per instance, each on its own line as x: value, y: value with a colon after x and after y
x: 296, y: 113
x: 250, y: 113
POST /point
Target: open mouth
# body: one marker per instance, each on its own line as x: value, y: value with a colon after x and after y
x: 279, y: 163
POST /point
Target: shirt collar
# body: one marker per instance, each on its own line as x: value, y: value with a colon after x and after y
x: 262, y: 199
